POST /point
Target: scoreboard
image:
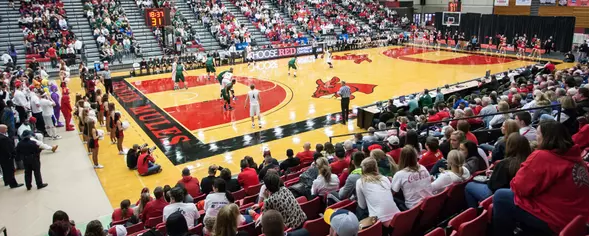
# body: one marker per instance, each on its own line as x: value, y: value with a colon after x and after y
x: 455, y: 5
x: 156, y: 17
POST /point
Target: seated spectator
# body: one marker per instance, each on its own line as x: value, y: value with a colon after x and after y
x: 61, y: 216
x: 433, y: 153
x: 569, y: 114
x: 374, y: 192
x: 517, y: 151
x: 474, y: 161
x: 548, y: 191
x: 370, y: 137
x: 132, y: 156
x: 326, y: 181
x: 206, y: 185
x: 282, y: 200
x: 231, y: 183
x: 509, y: 126
x: 581, y: 138
x: 273, y: 225
x: 145, y: 198
x: 341, y: 222
x: 394, y: 147
x: 338, y: 166
x: 59, y: 228
x: 456, y: 172
x: 190, y: 183
x: 228, y: 219
x: 445, y: 146
x: 386, y: 165
x: 499, y: 118
x: 411, y: 138
x: 124, y: 212
x: 306, y: 156
x: 146, y: 163
x: 176, y: 224
x: 154, y: 208
x: 464, y: 126
x: 524, y: 120
x: 177, y: 205
x: 349, y: 147
x: 117, y: 230
x: 290, y: 161
x: 94, y: 228
x: 349, y: 178
x: 382, y: 133
x: 248, y: 176
x: 187, y: 197
x: 582, y: 100
x: 214, y: 201
x: 420, y: 185
x: 488, y: 109
x: 269, y: 163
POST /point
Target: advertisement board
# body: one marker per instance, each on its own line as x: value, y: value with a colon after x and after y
x: 273, y: 53
x: 502, y: 3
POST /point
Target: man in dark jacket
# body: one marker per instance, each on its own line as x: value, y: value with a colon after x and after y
x: 28, y: 151
x: 132, y: 156
x: 269, y: 163
x: 7, y: 155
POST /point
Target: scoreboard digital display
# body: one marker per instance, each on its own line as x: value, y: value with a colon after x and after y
x: 156, y: 17
x: 455, y: 5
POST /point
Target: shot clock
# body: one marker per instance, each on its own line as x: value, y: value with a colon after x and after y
x: 156, y: 17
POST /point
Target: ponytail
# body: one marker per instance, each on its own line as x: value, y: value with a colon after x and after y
x: 324, y: 169
x: 125, y: 204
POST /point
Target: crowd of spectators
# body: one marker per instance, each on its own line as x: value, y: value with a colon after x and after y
x: 374, y: 13
x: 46, y: 32
x: 269, y: 22
x: 111, y: 30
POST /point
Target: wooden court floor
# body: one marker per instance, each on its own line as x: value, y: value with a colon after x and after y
x: 191, y: 129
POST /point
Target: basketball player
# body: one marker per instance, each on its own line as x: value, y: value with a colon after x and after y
x: 225, y: 94
x: 253, y: 96
x: 328, y: 58
x: 222, y: 75
x: 174, y: 64
x: 249, y: 55
x: 210, y: 65
x: 179, y: 68
x: 224, y: 79
x: 293, y: 64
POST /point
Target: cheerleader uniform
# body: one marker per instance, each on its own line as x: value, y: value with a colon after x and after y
x: 93, y: 142
x: 119, y: 132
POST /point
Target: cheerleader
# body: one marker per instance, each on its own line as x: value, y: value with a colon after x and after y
x: 503, y: 45
x: 118, y: 130
x: 93, y: 142
x: 521, y: 47
x: 111, y: 123
x: 100, y: 98
x: 536, y: 48
x: 488, y: 48
x: 328, y: 58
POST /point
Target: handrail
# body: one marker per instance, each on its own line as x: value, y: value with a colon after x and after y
x: 363, y: 132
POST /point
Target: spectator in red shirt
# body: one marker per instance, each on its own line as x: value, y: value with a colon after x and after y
x: 248, y: 176
x: 52, y: 54
x: 395, y: 152
x: 432, y: 116
x: 306, y: 156
x: 433, y: 154
x: 124, y: 212
x: 190, y: 183
x: 442, y: 112
x: 145, y: 163
x: 464, y: 126
x: 349, y: 147
x: 338, y: 166
x: 154, y: 208
x: 550, y: 188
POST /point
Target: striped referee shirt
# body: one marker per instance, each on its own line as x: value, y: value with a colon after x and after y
x: 344, y: 92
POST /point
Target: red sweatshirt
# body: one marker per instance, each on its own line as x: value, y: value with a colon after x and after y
x: 581, y: 138
x: 248, y: 177
x: 191, y: 184
x: 553, y: 187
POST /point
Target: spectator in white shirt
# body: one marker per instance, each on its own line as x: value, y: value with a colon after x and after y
x: 373, y: 191
x: 524, y: 119
x: 214, y: 202
x: 78, y: 46
x: 35, y: 105
x: 38, y: 136
x: 63, y: 24
x: 412, y: 178
x: 457, y: 173
x: 47, y: 105
x: 177, y: 204
x: 325, y: 182
x: 6, y: 59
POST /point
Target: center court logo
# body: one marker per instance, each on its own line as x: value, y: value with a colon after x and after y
x: 357, y: 58
x: 331, y: 87
x: 420, y: 55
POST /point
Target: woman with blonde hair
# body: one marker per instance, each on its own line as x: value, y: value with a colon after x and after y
x: 145, y: 198
x: 227, y: 221
x: 93, y: 142
x: 412, y: 178
x: 500, y: 118
x: 569, y: 114
x: 325, y: 182
x: 386, y: 165
x: 373, y: 191
x: 457, y: 173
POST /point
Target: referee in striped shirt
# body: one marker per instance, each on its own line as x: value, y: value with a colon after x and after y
x: 344, y: 92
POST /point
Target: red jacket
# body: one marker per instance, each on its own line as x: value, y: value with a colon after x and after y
x: 117, y: 214
x: 338, y: 166
x: 142, y: 163
x: 429, y: 159
x: 553, y: 187
x: 471, y: 137
x: 305, y: 156
x: 581, y: 138
x: 395, y: 154
x: 248, y: 177
x: 153, y: 209
x: 191, y: 184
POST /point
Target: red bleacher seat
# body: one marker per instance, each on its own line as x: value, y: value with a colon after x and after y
x: 487, y: 204
x: 161, y: 227
x: 135, y: 228
x: 431, y: 207
x: 312, y: 208
x: 249, y: 228
x: 120, y: 222
x: 456, y: 201
x: 468, y: 223
x: 316, y: 227
x: 238, y: 195
x: 138, y: 233
x: 291, y: 176
x: 253, y: 190
x: 577, y: 227
x: 199, y: 198
x: 249, y: 199
x: 196, y: 229
x: 339, y: 204
x: 375, y: 229
x: 402, y: 223
x: 302, y: 199
x: 291, y: 182
x: 153, y: 221
x: 437, y: 232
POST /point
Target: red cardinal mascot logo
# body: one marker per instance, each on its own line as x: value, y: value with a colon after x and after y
x: 332, y: 86
x: 357, y: 58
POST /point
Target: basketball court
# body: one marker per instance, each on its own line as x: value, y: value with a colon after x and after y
x: 191, y: 129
